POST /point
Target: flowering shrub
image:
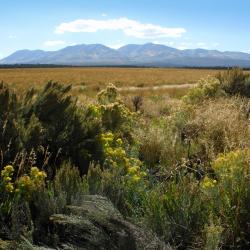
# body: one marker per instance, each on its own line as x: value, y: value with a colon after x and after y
x: 232, y: 165
x: 207, y: 88
x: 28, y: 184
x: 108, y: 95
x: 121, y: 177
x: 229, y: 195
x: 6, y: 183
x: 116, y: 157
x: 23, y: 187
x: 111, y: 111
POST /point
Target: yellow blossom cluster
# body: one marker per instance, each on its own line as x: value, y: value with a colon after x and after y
x: 116, y: 157
x: 6, y: 179
x: 231, y: 164
x: 208, y: 183
x: 28, y: 183
x: 95, y: 110
x: 25, y: 184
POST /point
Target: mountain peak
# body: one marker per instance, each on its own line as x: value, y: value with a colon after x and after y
x: 149, y: 54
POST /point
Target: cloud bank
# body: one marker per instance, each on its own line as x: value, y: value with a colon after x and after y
x: 128, y: 26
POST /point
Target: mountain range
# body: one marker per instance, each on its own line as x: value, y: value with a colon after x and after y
x: 129, y: 55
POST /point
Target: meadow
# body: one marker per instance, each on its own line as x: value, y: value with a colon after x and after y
x: 89, y: 81
x: 178, y: 167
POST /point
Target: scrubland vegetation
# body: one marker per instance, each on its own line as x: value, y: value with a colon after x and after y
x: 177, y: 166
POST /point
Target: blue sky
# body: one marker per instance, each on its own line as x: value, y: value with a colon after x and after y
x: 54, y: 24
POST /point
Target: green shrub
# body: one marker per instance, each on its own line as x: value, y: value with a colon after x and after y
x: 153, y: 142
x: 68, y: 181
x: 43, y: 204
x: 177, y: 212
x: 47, y: 120
x: 9, y: 119
x: 63, y: 127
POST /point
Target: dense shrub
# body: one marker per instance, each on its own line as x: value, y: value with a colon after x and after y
x: 9, y: 118
x: 68, y: 181
x: 49, y: 120
x: 177, y: 211
x: 64, y: 128
x: 235, y: 82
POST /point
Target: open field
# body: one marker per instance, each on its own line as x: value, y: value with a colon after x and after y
x: 98, y: 77
x: 88, y: 81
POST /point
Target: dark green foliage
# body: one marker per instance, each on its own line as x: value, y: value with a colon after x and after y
x: 68, y: 181
x: 47, y: 120
x: 8, y: 123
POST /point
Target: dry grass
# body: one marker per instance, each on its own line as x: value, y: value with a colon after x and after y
x: 221, y: 125
x: 88, y: 81
x: 101, y: 76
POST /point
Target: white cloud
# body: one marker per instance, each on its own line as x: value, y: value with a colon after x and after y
x: 104, y: 14
x: 115, y: 46
x: 54, y: 43
x: 171, y: 43
x: 128, y: 26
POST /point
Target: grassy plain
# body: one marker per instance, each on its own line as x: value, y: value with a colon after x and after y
x: 89, y: 81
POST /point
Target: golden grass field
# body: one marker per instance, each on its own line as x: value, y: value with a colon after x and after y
x: 89, y: 81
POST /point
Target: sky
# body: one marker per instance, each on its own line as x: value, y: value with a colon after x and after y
x: 184, y: 24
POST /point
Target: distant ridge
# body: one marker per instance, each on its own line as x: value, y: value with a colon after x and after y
x: 148, y: 54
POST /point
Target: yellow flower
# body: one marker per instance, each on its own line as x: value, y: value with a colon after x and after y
x: 9, y: 187
x: 42, y: 175
x: 34, y: 171
x: 208, y: 183
x: 7, y: 179
x: 133, y: 170
x: 119, y: 141
x: 126, y: 163
x: 120, y: 152
x: 136, y: 178
x: 8, y: 170
x: 25, y: 182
